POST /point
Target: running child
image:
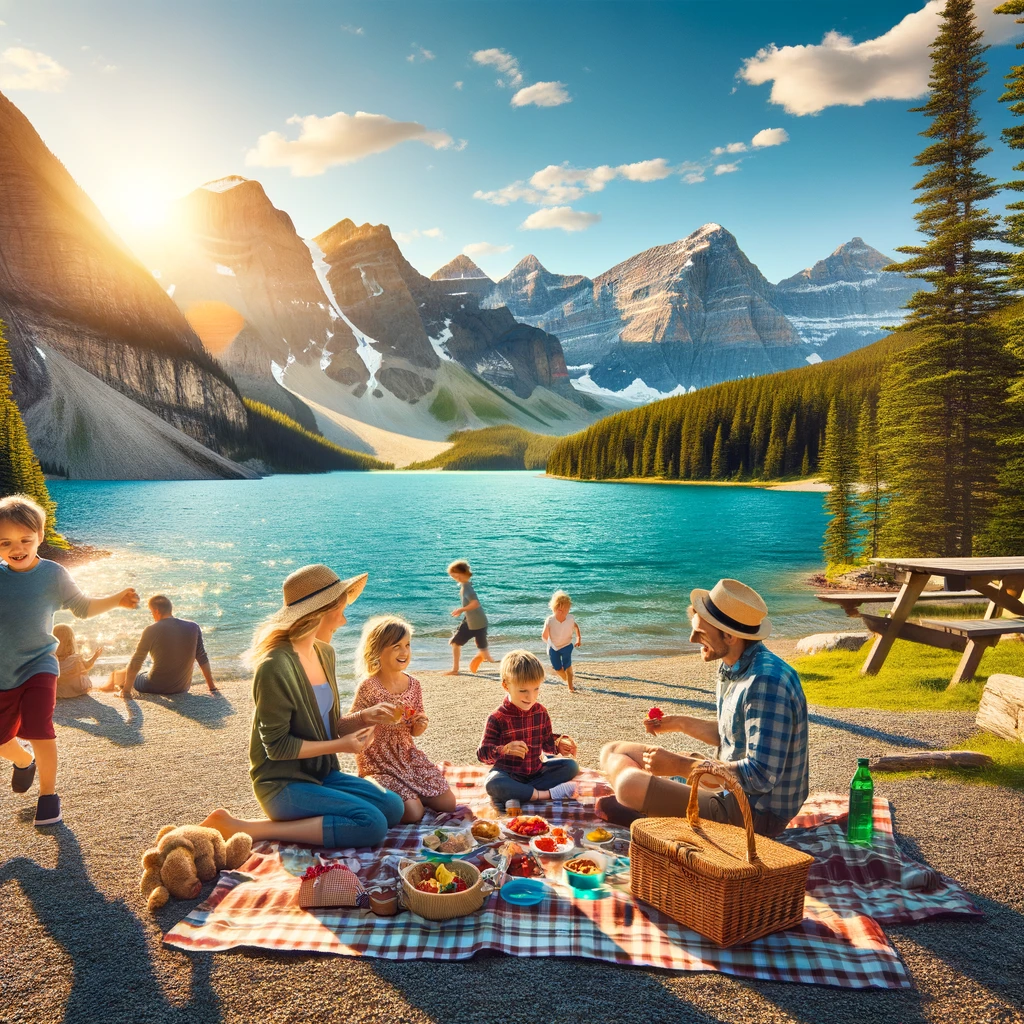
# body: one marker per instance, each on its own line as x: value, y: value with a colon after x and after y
x: 31, y: 590
x: 392, y: 758
x: 473, y: 626
x: 518, y: 733
x: 559, y: 628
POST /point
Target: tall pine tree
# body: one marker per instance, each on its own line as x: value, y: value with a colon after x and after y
x: 870, y: 474
x: 945, y: 410
x: 838, y: 465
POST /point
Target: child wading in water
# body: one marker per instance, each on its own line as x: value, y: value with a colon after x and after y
x: 474, y: 625
x: 73, y: 679
x: 518, y: 733
x: 559, y: 628
x: 392, y: 758
x: 31, y: 590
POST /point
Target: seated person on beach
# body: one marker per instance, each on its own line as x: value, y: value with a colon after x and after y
x: 73, y: 679
x: 518, y: 733
x: 760, y: 733
x: 298, y: 729
x: 174, y: 645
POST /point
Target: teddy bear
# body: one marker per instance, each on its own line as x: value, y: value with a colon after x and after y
x: 186, y: 856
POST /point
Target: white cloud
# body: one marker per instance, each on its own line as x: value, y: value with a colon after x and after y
x: 420, y: 54
x: 694, y: 177
x: 558, y: 184
x: 542, y: 94
x: 404, y: 237
x: 645, y: 170
x: 731, y: 147
x: 108, y: 69
x: 475, y: 249
x: 507, y: 65
x: 727, y: 168
x: 458, y: 85
x: 21, y: 68
x: 769, y: 137
x: 338, y: 139
x: 562, y: 217
x: 353, y: 30
x: 839, y: 72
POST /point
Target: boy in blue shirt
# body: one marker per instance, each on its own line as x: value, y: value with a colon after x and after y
x: 31, y: 590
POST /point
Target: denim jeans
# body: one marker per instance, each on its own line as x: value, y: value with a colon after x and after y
x: 503, y: 786
x: 356, y: 812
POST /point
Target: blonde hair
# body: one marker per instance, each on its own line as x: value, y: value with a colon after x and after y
x: 559, y: 599
x: 461, y: 567
x: 378, y: 635
x: 269, y: 635
x: 521, y: 667
x: 66, y: 643
x: 23, y: 510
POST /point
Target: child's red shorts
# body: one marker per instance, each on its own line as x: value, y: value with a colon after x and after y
x: 27, y: 710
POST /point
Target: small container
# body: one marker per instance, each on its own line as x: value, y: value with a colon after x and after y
x: 577, y: 881
x: 384, y: 901
x: 513, y: 808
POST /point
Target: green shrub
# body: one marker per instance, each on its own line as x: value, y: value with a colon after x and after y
x: 443, y: 407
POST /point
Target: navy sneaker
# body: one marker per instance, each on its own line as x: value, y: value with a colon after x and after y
x: 21, y: 780
x: 47, y: 810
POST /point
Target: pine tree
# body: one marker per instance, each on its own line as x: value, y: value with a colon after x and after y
x: 719, y: 469
x: 792, y: 457
x: 838, y: 467
x: 870, y: 476
x: 774, y: 457
x: 805, y: 463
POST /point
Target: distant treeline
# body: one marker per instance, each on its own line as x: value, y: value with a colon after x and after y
x: 493, y: 448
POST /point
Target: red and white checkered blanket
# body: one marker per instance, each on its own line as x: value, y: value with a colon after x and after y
x: 852, y: 891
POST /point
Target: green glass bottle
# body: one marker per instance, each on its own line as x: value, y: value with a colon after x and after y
x: 860, y: 823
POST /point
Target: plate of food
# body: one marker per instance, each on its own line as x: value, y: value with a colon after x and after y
x: 445, y: 844
x: 557, y: 843
x: 526, y: 826
x: 598, y: 838
x: 485, y: 831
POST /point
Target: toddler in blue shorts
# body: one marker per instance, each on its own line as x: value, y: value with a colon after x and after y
x: 559, y: 628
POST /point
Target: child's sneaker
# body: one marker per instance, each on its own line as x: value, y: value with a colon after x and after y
x: 21, y: 779
x: 47, y: 810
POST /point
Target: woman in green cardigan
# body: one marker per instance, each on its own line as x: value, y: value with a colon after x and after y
x: 298, y: 729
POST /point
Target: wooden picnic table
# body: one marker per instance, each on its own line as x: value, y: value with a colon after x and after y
x: 999, y: 580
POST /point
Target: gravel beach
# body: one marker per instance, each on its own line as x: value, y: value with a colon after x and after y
x: 76, y: 944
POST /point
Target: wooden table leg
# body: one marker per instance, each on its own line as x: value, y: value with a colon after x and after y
x: 971, y: 659
x: 908, y: 596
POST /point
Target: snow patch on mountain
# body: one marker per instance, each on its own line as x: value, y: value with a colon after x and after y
x: 224, y: 184
x: 226, y: 271
x: 638, y: 392
x: 439, y: 343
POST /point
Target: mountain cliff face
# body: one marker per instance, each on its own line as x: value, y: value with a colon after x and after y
x: 68, y: 283
x: 845, y: 301
x: 463, y: 277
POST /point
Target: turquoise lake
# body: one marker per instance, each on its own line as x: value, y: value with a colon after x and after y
x: 627, y: 554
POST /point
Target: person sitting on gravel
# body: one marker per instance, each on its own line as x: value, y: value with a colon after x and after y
x: 174, y: 645
x: 760, y: 733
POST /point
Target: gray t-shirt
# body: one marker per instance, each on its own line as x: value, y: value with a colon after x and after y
x: 173, y: 644
x: 27, y: 603
x: 475, y: 617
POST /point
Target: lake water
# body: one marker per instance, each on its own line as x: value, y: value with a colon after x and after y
x: 627, y: 554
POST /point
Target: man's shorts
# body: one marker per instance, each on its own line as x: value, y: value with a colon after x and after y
x: 464, y: 634
x: 27, y: 710
x: 561, y: 659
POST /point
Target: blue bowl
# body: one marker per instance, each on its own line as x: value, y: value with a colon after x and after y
x: 523, y: 892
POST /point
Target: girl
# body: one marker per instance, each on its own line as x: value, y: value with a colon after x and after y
x: 298, y: 729
x: 393, y: 759
x: 73, y: 679
x: 559, y: 628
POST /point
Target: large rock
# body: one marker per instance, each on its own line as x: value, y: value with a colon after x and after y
x: 832, y: 642
x: 1001, y: 711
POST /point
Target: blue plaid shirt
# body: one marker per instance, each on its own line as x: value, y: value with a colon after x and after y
x: 762, y: 725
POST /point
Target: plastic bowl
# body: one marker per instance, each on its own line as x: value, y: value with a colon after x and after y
x: 523, y: 892
x: 577, y: 881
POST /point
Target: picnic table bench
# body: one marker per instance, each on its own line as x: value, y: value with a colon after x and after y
x: 971, y: 636
x: 851, y: 600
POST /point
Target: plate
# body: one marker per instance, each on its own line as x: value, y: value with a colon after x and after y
x: 523, y: 892
x: 561, y: 851
x: 517, y: 835
x: 445, y: 858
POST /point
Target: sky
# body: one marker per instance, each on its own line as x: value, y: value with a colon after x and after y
x: 581, y: 132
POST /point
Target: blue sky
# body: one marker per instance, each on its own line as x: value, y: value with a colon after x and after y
x: 144, y: 101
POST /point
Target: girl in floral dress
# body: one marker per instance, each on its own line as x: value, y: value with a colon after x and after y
x: 392, y: 759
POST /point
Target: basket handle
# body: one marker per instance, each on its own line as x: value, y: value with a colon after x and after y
x: 693, y: 813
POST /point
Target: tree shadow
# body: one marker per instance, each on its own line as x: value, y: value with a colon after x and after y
x: 868, y: 731
x: 113, y: 978
x: 100, y: 719
x: 206, y: 709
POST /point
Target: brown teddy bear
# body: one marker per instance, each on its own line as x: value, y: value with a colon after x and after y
x: 184, y: 858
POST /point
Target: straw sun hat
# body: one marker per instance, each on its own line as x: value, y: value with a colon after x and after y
x: 313, y: 587
x: 734, y: 608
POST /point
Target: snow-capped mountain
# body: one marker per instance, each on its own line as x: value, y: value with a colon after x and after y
x: 463, y: 277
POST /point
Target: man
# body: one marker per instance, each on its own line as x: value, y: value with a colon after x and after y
x: 174, y: 645
x: 760, y: 733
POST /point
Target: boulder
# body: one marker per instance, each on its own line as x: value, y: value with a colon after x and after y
x: 832, y: 642
x: 1001, y: 711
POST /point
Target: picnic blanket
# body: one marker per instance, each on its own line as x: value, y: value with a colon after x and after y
x: 852, y: 892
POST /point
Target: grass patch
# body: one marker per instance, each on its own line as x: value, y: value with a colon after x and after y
x: 913, y: 678
x: 1007, y: 768
x: 443, y: 407
x: 505, y: 398
x: 550, y: 410
x: 488, y: 411
x: 504, y: 447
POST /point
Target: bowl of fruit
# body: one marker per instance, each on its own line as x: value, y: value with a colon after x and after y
x: 440, y: 892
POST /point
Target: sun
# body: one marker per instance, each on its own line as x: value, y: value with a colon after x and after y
x: 142, y: 207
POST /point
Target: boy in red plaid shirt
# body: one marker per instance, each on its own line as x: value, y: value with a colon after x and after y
x: 517, y: 733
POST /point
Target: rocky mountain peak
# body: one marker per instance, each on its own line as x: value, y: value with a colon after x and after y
x: 223, y: 184
x: 346, y: 231
x: 460, y: 268
x: 235, y: 207
x: 854, y: 260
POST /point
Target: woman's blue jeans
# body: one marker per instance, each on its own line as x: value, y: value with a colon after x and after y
x: 356, y: 812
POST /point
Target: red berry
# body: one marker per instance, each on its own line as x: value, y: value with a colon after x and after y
x: 655, y: 713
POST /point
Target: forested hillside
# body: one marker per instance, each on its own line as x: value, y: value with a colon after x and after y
x: 493, y: 448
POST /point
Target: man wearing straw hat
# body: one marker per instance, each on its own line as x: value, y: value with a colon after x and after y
x: 760, y: 732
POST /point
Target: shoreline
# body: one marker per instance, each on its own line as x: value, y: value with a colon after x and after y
x: 811, y: 484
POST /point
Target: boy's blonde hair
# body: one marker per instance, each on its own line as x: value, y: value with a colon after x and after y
x: 559, y: 599
x: 521, y: 667
x: 23, y: 510
x: 66, y: 643
x: 379, y: 634
x: 460, y: 566
x: 269, y: 636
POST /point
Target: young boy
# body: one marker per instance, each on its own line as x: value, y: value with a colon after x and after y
x: 31, y: 590
x: 559, y: 628
x: 473, y: 625
x: 516, y: 735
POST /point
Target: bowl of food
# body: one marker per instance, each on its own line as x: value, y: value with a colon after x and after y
x: 598, y: 839
x: 526, y: 826
x: 557, y: 843
x: 440, y: 892
x: 485, y: 831
x: 587, y: 871
x: 443, y: 844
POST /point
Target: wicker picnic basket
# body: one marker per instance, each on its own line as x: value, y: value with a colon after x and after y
x: 442, y: 906
x: 724, y: 882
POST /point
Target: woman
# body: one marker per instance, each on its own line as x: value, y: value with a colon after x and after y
x: 298, y: 730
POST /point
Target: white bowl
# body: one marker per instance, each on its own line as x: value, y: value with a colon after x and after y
x: 563, y: 849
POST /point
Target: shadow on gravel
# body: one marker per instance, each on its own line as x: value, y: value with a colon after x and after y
x: 113, y: 976
x: 207, y: 709
x: 99, y: 719
x: 864, y: 730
